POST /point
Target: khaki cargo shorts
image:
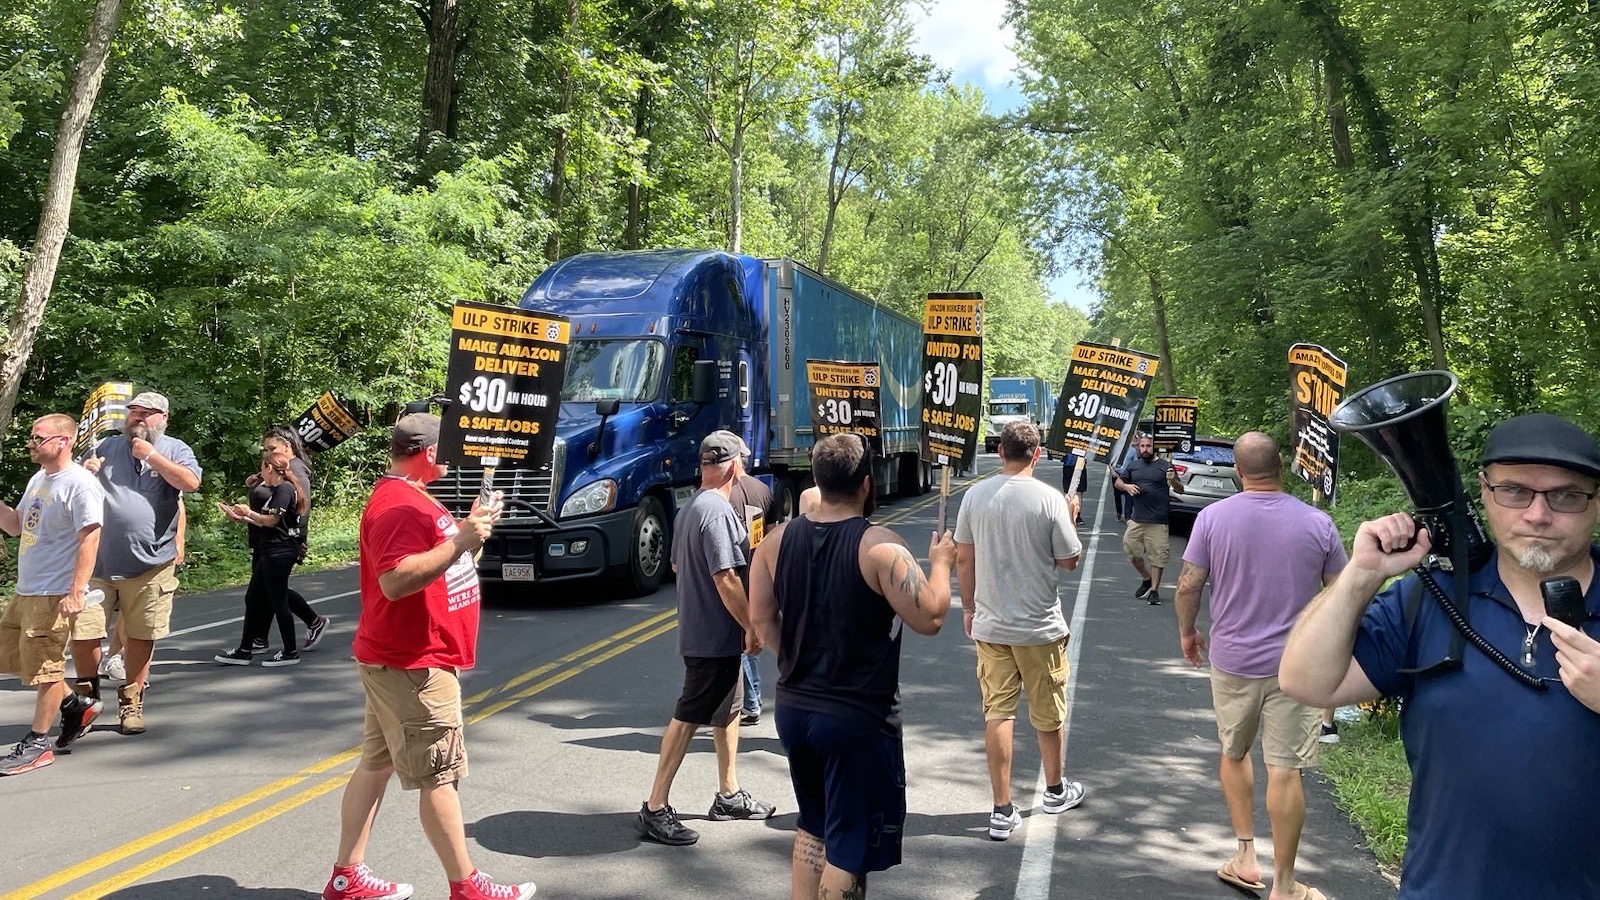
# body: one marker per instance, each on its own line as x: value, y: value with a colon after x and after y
x: 1147, y: 541
x: 1248, y: 706
x: 33, y: 640
x: 145, y: 601
x: 414, y: 724
x: 1005, y: 672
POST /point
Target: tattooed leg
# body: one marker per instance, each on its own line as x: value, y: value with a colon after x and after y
x: 837, y: 884
x: 806, y: 866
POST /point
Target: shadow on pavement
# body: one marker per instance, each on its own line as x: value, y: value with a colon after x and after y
x: 212, y: 886
x: 541, y: 834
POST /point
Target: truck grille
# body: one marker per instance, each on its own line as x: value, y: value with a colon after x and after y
x: 459, y: 487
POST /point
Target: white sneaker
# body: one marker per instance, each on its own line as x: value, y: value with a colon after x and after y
x: 1001, y: 825
x: 1071, y: 795
x: 112, y: 667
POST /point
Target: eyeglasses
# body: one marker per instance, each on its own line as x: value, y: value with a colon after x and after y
x: 1561, y: 500
x: 35, y: 440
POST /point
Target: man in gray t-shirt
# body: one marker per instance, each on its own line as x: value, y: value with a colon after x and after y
x: 58, y: 523
x: 145, y: 474
x: 713, y: 628
x: 1012, y: 533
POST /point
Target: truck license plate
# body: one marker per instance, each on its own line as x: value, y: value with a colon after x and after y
x: 516, y: 571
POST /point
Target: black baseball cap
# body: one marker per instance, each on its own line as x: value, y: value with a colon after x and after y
x: 1543, y: 439
x: 414, y: 433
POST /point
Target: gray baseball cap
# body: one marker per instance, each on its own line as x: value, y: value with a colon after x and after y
x: 151, y: 400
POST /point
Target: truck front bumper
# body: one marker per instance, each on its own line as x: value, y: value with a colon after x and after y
x: 585, y: 548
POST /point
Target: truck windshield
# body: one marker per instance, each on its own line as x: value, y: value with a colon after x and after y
x: 1008, y: 408
x: 629, y: 371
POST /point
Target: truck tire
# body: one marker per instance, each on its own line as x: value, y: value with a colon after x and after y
x: 910, y: 475
x: 788, y: 495
x: 648, y: 548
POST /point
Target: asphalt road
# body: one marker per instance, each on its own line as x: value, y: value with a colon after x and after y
x: 234, y: 790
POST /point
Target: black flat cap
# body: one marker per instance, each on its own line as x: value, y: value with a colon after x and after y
x: 1543, y: 439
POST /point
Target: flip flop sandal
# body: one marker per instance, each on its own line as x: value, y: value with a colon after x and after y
x: 1253, y: 888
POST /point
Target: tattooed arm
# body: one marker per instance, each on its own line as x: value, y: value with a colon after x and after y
x: 891, y: 570
x: 1190, y: 582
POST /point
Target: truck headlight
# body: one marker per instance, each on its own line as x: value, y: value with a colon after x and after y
x: 594, y: 498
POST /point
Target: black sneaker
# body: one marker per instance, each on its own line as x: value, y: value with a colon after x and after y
x: 259, y: 645
x: 314, y: 633
x: 1330, y: 733
x: 27, y: 755
x: 1153, y: 598
x: 740, y: 806
x: 78, y: 713
x: 663, y: 827
x: 750, y: 718
x: 234, y: 658
x: 281, y: 659
x: 1144, y: 588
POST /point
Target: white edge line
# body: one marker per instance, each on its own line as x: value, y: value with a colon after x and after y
x: 237, y: 619
x: 1039, y: 849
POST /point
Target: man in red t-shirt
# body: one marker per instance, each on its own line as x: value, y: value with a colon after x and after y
x: 418, y: 630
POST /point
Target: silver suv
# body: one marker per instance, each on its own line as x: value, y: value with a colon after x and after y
x: 1207, y: 475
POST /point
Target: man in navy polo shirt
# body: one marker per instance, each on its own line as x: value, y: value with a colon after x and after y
x: 1505, y: 779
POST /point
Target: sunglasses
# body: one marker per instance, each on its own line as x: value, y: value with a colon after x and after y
x: 38, y: 441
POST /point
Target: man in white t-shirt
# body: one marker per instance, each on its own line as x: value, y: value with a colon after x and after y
x: 58, y: 520
x: 1012, y: 533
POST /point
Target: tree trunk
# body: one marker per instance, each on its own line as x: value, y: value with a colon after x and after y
x: 1158, y: 300
x: 631, y: 237
x: 736, y: 193
x: 54, y: 217
x: 563, y: 140
x: 439, y: 84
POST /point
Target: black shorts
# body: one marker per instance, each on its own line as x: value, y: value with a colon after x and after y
x: 850, y: 785
x: 712, y: 691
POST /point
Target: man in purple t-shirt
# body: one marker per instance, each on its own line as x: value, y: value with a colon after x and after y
x: 1266, y: 555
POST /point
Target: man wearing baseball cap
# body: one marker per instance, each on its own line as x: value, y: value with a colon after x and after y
x: 418, y: 631
x: 1505, y: 779
x: 145, y: 472
x: 714, y: 628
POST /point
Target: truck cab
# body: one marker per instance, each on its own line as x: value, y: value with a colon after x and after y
x: 667, y: 346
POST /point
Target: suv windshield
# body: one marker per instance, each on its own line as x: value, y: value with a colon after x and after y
x: 629, y: 371
x: 1008, y: 408
x: 1207, y: 454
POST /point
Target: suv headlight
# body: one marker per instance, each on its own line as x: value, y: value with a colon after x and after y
x: 590, y: 499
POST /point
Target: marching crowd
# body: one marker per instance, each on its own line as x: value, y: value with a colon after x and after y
x: 1500, y: 772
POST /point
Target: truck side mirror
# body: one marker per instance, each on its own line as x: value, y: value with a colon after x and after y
x: 704, y: 388
x: 607, y: 408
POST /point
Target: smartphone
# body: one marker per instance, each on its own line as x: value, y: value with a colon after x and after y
x: 1563, y: 600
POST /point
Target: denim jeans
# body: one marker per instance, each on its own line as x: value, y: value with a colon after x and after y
x: 752, y: 685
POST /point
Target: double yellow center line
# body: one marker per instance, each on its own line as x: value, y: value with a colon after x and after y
x: 479, y: 706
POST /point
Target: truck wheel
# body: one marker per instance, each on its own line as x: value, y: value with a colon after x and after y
x: 648, y: 547
x: 910, y: 475
x: 788, y: 496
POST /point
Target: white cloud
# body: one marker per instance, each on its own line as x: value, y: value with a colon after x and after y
x: 971, y: 39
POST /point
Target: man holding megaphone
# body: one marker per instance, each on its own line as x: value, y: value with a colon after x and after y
x: 1505, y: 765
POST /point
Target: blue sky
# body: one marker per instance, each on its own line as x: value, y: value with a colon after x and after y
x: 971, y: 39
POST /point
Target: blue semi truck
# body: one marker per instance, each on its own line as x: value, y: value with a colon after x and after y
x: 1025, y: 399
x: 668, y: 346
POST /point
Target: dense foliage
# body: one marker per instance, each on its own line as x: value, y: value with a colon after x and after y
x: 1413, y: 186
x: 279, y: 198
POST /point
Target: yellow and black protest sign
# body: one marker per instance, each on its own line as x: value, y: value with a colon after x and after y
x: 1174, y: 427
x: 1100, y: 401
x: 1316, y: 385
x: 844, y: 398
x: 104, y: 412
x: 503, y: 386
x: 952, y: 378
x: 327, y: 424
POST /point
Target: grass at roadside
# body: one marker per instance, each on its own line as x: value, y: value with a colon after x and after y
x: 1371, y: 782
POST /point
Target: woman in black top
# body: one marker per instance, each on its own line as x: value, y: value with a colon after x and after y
x: 282, y: 445
x: 274, y: 520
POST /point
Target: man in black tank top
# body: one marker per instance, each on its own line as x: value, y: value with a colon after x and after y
x: 830, y: 591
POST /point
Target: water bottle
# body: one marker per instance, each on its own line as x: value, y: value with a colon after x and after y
x: 93, y: 597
